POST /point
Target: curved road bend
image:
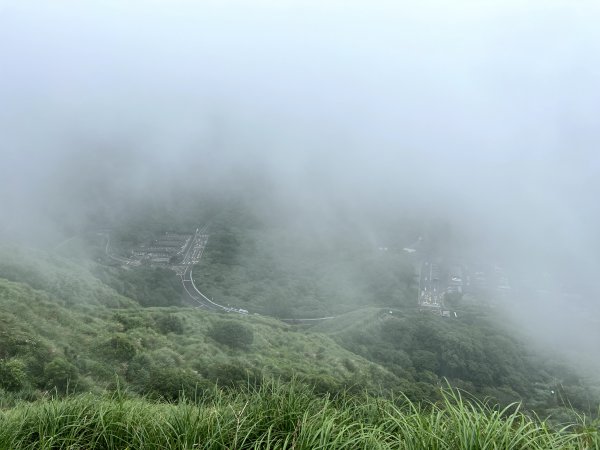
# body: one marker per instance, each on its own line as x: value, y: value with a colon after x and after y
x: 187, y: 279
x: 190, y: 288
x: 195, y: 294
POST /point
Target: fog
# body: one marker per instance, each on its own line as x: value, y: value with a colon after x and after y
x: 480, y: 114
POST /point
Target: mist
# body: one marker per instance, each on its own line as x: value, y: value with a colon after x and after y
x: 481, y: 115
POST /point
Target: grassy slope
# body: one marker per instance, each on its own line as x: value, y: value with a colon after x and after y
x: 281, y: 416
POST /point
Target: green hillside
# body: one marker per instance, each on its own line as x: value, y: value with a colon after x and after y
x: 50, y: 342
x: 474, y: 352
x: 68, y: 281
x: 80, y: 330
x: 297, y: 273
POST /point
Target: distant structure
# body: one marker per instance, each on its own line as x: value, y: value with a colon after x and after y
x: 164, y: 250
x: 430, y: 296
x: 414, y: 247
x: 432, y: 289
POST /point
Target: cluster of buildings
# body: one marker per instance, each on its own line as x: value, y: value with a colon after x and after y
x: 168, y: 249
x: 436, y: 281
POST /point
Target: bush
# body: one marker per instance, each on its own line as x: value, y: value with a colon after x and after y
x: 169, y: 324
x: 171, y: 383
x: 232, y: 334
x: 12, y: 375
x: 231, y: 375
x: 130, y: 322
x: 119, y: 347
x: 60, y: 373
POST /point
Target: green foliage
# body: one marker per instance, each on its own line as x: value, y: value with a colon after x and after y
x: 424, y: 360
x: 171, y: 383
x: 141, y: 345
x: 233, y: 334
x: 286, y: 416
x: 119, y: 347
x: 233, y: 374
x: 58, y: 342
x: 149, y: 286
x: 67, y: 281
x: 14, y: 343
x: 285, y: 274
x: 130, y: 322
x: 480, y: 356
x: 60, y: 374
x: 227, y: 246
x: 12, y: 375
x: 159, y: 374
x: 169, y: 323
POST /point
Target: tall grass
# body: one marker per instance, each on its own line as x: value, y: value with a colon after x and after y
x: 282, y: 416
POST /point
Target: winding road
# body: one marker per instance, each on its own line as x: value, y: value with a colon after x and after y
x: 191, y: 256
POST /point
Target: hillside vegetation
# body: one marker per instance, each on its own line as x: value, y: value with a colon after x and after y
x: 94, y: 355
x: 290, y: 274
x: 48, y: 343
x: 473, y: 352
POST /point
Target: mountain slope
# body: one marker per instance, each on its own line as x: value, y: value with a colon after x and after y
x: 52, y: 341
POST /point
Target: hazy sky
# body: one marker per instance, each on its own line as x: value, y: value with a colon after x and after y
x: 480, y: 113
x: 482, y: 110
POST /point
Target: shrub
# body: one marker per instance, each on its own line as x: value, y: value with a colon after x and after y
x: 12, y: 375
x: 60, y: 373
x: 232, y: 334
x: 129, y: 322
x: 119, y: 347
x: 171, y: 383
x: 169, y: 324
x: 231, y: 375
